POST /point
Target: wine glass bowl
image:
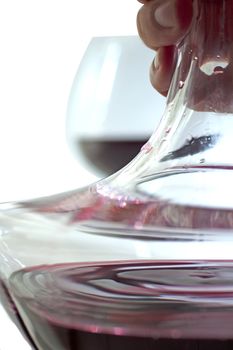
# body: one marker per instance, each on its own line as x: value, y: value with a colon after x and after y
x: 112, y: 108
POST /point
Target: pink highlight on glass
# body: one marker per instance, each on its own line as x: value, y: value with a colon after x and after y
x: 147, y: 148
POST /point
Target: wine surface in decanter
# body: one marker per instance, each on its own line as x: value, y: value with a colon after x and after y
x: 132, y: 305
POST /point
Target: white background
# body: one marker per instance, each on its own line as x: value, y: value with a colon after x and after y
x: 41, y: 45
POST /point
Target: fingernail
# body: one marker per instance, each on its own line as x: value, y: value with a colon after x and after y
x: 166, y: 15
x: 156, y: 63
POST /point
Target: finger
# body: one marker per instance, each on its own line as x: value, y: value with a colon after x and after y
x: 162, y: 68
x: 164, y: 22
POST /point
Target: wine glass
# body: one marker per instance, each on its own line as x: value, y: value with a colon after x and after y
x: 112, y: 108
x: 142, y: 259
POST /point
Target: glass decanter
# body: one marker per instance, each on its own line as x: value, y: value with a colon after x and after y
x: 144, y: 258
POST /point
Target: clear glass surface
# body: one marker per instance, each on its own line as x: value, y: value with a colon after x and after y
x: 146, y: 253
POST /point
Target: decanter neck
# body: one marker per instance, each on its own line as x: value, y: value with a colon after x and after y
x: 204, y: 66
x: 196, y: 129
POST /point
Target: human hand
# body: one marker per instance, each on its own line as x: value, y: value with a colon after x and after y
x: 161, y: 25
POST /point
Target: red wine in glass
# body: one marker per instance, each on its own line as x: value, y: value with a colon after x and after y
x: 129, y: 306
x: 109, y: 155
